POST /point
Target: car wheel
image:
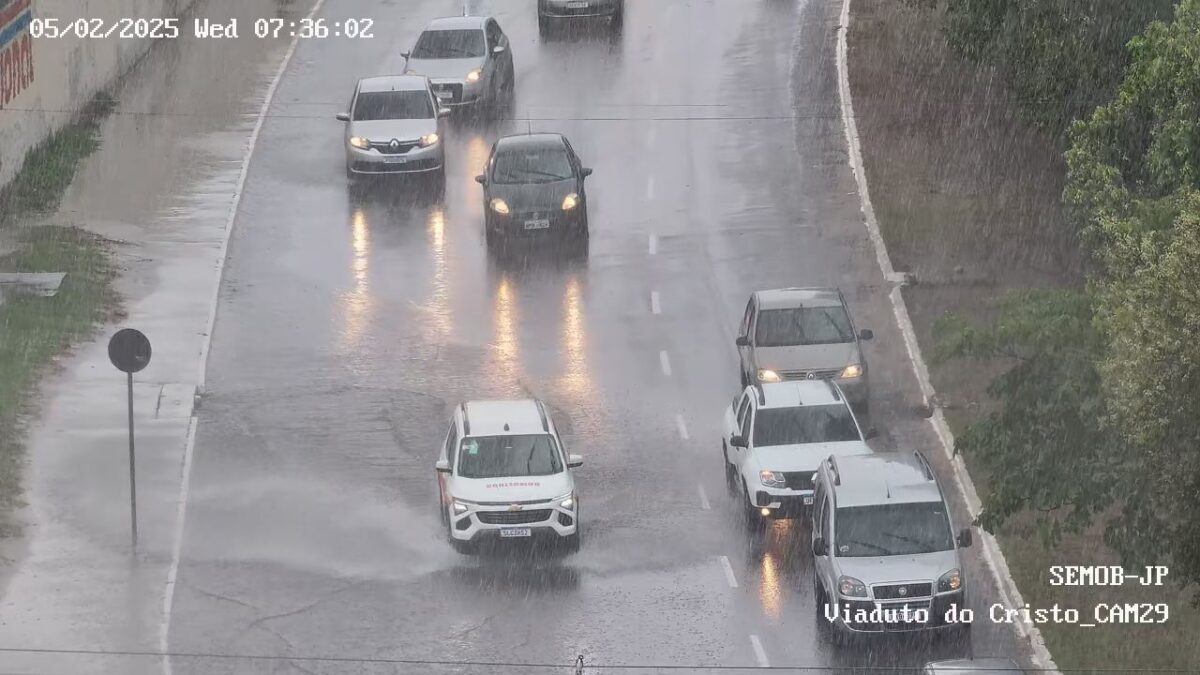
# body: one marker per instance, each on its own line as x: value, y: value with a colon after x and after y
x: 731, y: 482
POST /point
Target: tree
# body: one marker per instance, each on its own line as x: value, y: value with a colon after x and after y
x: 1044, y: 449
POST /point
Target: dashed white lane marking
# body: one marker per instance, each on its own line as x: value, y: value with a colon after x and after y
x: 653, y: 244
x: 681, y: 427
x: 759, y: 653
x: 665, y: 362
x: 728, y: 572
x: 655, y: 306
x: 703, y: 498
x: 650, y: 187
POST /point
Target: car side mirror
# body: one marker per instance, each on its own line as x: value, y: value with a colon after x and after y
x: 865, y: 334
x: 405, y: 55
x: 965, y: 539
x: 585, y: 172
x: 742, y: 341
x: 820, y: 547
x: 442, y: 465
x: 871, y: 432
x: 343, y: 117
x: 481, y: 179
x: 574, y: 461
x: 498, y: 49
x: 443, y: 112
x: 737, y: 441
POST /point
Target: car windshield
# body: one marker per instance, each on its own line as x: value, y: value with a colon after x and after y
x: 804, y: 424
x: 508, y: 456
x: 803, y: 326
x: 449, y: 44
x: 393, y: 105
x: 892, y: 529
x: 539, y: 165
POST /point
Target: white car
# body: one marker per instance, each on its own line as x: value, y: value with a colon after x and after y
x: 468, y: 60
x: 503, y: 473
x: 776, y: 436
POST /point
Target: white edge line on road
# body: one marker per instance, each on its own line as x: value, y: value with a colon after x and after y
x: 703, y: 498
x: 681, y: 427
x: 728, y: 572
x: 992, y: 555
x: 759, y: 652
x: 655, y: 305
x: 665, y: 362
x: 653, y: 244
x: 193, y: 423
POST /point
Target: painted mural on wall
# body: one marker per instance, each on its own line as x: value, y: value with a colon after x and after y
x: 16, y: 49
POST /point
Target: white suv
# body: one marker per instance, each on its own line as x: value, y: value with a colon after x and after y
x: 503, y: 473
x: 885, y: 555
x: 775, y: 437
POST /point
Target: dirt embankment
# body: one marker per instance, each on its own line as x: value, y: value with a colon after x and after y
x: 967, y: 195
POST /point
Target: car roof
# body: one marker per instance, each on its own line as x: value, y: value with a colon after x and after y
x: 393, y: 83
x: 784, y: 298
x: 975, y: 666
x: 798, y: 393
x: 489, y: 418
x: 883, y: 478
x: 456, y: 23
x: 530, y: 141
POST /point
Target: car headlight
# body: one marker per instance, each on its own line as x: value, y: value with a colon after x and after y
x: 429, y: 139
x: 950, y: 581
x: 474, y: 75
x: 360, y: 142
x: 570, y: 202
x: 851, y: 587
x: 765, y: 375
x: 499, y: 205
x: 850, y: 371
x: 566, y: 501
x: 772, y: 479
x: 460, y: 508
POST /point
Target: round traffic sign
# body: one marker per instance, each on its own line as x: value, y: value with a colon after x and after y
x: 129, y: 350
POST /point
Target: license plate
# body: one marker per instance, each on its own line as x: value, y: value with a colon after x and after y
x: 516, y: 532
x: 808, y: 500
x: 582, y: 4
x: 394, y: 160
x: 537, y: 224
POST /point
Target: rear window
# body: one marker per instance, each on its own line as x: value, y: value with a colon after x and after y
x: 449, y: 44
x: 393, y: 105
x: 802, y: 326
x: 508, y: 456
x: 532, y: 165
x: 804, y: 424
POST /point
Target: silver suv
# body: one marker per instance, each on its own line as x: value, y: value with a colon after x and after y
x: 885, y: 555
x: 468, y: 60
x: 803, y: 334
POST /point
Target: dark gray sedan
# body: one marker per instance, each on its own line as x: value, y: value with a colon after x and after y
x: 533, y: 187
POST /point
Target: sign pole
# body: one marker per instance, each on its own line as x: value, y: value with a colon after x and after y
x: 132, y: 477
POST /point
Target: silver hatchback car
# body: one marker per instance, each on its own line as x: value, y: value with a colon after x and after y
x: 467, y: 58
x: 803, y: 334
x: 394, y: 127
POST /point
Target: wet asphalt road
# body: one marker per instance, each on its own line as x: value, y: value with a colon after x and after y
x: 350, y: 323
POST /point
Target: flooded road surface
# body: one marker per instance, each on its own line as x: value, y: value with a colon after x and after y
x: 351, y: 321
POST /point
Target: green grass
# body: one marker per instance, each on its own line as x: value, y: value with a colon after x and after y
x: 48, y: 169
x: 35, y: 329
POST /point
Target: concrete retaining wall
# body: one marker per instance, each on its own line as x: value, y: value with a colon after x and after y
x: 45, y: 81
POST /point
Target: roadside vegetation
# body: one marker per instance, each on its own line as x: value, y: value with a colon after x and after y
x: 1071, y: 352
x: 35, y: 329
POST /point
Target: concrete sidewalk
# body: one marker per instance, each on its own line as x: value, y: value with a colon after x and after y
x: 162, y: 185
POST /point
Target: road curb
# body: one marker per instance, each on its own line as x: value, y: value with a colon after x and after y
x: 194, y: 419
x: 992, y: 555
